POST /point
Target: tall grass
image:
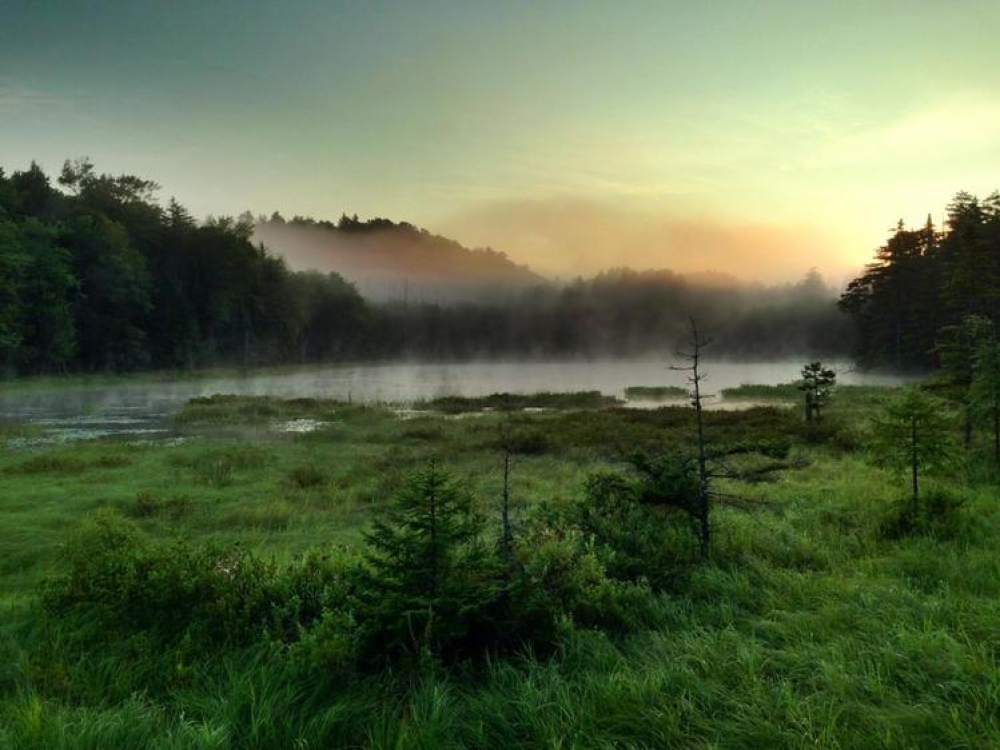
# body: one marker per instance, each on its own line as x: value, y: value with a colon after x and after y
x: 807, y: 628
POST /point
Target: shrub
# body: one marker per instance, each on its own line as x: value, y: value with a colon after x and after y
x: 569, y: 584
x: 939, y: 515
x: 640, y: 527
x: 120, y: 585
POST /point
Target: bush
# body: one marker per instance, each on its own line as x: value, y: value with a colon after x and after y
x: 570, y: 584
x: 640, y: 527
x: 939, y: 515
x: 831, y: 432
x: 120, y: 585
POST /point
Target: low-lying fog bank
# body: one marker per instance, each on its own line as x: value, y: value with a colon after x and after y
x: 142, y: 407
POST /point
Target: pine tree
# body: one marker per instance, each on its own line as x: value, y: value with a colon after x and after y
x: 428, y: 573
x: 984, y: 388
x: 913, y: 433
x: 817, y: 382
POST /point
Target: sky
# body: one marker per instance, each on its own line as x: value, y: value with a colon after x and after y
x: 757, y: 138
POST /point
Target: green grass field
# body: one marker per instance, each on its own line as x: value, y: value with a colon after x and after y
x: 810, y: 626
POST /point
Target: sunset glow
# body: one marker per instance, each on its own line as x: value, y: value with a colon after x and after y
x: 764, y: 138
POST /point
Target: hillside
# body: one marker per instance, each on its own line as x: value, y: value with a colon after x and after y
x: 390, y: 261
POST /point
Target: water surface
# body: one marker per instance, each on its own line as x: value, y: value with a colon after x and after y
x: 143, y: 408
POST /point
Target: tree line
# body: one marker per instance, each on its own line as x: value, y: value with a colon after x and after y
x: 96, y: 275
x: 924, y: 283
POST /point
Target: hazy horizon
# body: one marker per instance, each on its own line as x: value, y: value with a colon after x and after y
x: 759, y: 139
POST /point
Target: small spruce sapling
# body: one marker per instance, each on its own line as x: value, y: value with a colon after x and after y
x: 428, y: 571
x: 914, y: 433
x: 816, y: 384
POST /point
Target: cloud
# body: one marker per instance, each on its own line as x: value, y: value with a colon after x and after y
x: 571, y: 236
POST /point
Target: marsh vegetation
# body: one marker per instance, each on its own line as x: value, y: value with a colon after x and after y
x: 347, y: 586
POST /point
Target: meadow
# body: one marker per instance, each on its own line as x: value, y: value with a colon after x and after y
x: 204, y: 591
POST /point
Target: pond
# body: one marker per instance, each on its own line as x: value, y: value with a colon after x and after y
x: 141, y: 408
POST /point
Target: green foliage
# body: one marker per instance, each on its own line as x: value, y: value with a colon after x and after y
x: 803, y: 630
x: 194, y: 599
x: 816, y: 385
x: 760, y: 392
x: 49, y: 464
x: 37, y: 291
x: 114, y: 292
x: 147, y: 505
x: 569, y: 585
x: 835, y: 432
x: 231, y: 409
x: 429, y: 574
x: 984, y: 385
x: 525, y: 440
x: 635, y: 535
x: 107, y: 279
x: 653, y: 392
x: 307, y: 477
x: 910, y: 305
x: 914, y: 433
x: 939, y: 515
x: 102, y: 278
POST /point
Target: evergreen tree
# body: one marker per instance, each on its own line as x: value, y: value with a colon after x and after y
x: 429, y: 575
x: 817, y: 382
x: 913, y: 433
x: 893, y: 302
x: 984, y: 388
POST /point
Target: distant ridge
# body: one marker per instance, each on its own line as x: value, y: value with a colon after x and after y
x: 390, y: 261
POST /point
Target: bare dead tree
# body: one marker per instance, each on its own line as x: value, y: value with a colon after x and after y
x: 695, y: 379
x: 506, y: 532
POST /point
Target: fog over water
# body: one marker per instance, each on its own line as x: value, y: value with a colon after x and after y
x: 143, y: 409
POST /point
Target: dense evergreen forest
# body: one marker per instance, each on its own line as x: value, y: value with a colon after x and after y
x: 96, y: 275
x: 913, y: 304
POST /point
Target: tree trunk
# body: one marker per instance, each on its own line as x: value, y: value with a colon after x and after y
x: 996, y: 431
x: 506, y: 535
x: 703, y: 498
x: 914, y: 464
x: 702, y: 515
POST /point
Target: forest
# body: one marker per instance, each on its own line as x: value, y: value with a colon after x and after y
x: 96, y: 276
x: 912, y: 300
